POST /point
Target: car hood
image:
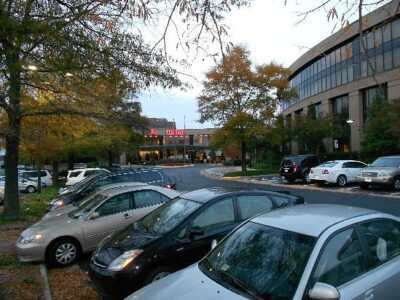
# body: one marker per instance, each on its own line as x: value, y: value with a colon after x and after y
x: 189, y: 283
x: 122, y: 241
x: 59, y: 211
x: 380, y: 169
x: 61, y: 225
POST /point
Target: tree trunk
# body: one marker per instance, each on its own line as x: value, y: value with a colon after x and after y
x: 11, y: 195
x: 71, y: 159
x: 110, y: 157
x: 55, y: 166
x: 39, y: 178
x: 244, y: 150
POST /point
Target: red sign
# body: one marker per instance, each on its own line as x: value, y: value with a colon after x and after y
x: 175, y: 132
x: 153, y: 132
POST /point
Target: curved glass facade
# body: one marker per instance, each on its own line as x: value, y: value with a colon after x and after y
x: 348, y: 62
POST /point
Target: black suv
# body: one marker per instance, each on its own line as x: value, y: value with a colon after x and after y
x: 298, y: 166
x: 78, y: 191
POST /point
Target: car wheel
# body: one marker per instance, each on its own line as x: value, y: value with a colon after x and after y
x: 306, y: 177
x: 64, y: 252
x: 290, y: 180
x: 364, y: 186
x: 30, y: 189
x: 341, y: 180
x: 159, y: 273
x: 396, y: 183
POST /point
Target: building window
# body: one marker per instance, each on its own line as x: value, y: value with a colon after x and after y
x: 340, y: 108
x: 318, y: 110
x: 370, y: 95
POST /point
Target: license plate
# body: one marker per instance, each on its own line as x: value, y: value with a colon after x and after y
x: 286, y: 170
x: 368, y: 180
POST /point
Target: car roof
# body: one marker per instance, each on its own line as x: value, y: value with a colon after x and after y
x: 392, y: 156
x: 122, y: 187
x: 206, y: 194
x: 310, y: 219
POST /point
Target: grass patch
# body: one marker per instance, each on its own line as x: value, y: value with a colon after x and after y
x: 7, y: 261
x: 33, y: 205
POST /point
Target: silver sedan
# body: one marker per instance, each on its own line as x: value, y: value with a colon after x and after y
x: 302, y: 252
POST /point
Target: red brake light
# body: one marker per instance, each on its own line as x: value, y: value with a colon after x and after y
x: 325, y: 172
x: 295, y: 167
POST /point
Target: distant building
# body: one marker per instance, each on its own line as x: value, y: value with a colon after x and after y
x: 335, y: 77
x: 164, y: 140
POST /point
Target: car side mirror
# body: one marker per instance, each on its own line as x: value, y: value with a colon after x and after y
x: 94, y: 215
x: 323, y: 291
x: 195, y: 231
x: 214, y: 244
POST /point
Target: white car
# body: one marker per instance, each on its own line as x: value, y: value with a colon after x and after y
x: 337, y: 171
x: 24, y: 185
x: 75, y: 176
x: 45, y: 176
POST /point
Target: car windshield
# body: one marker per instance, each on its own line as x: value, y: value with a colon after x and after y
x: 28, y: 174
x: 86, y: 206
x: 168, y: 216
x: 328, y: 164
x: 386, y: 162
x: 83, y: 183
x: 259, y: 261
x: 74, y: 174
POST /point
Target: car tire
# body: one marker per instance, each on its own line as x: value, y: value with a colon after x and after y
x: 364, y: 186
x: 341, y: 180
x: 306, y: 177
x: 30, y: 189
x: 159, y: 273
x: 290, y: 180
x: 64, y: 252
x: 396, y: 183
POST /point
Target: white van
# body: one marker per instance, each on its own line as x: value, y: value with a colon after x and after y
x: 75, y: 176
x: 46, y: 176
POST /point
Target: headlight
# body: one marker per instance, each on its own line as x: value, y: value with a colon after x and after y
x: 55, y: 203
x: 384, y: 174
x: 30, y: 239
x: 123, y: 260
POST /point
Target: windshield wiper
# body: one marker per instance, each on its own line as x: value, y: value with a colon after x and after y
x: 241, y: 286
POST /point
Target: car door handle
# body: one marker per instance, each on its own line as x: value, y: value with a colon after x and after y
x: 127, y: 216
x: 369, y: 295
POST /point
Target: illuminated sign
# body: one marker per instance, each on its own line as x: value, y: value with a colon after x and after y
x: 168, y: 132
x: 175, y: 132
x: 153, y: 132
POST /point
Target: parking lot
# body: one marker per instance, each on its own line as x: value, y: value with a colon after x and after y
x: 27, y: 281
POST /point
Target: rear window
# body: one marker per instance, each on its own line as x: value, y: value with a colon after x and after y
x: 150, y: 176
x: 328, y: 164
x: 74, y: 174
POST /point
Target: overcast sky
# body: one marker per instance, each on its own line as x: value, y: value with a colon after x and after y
x: 269, y: 29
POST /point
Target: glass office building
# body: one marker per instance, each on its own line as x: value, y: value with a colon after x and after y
x: 344, y: 73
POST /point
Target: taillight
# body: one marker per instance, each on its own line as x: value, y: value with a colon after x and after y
x: 295, y: 168
x: 325, y: 172
x: 169, y: 185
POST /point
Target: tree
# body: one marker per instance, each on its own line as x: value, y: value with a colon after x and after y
x: 380, y: 136
x: 241, y: 98
x: 66, y: 47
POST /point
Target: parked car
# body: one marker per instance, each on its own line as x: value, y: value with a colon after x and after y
x: 24, y: 185
x: 75, y: 176
x: 61, y: 240
x: 298, y: 167
x: 83, y: 188
x: 384, y: 171
x: 302, y: 252
x: 340, y: 172
x: 45, y: 176
x: 67, y: 208
x: 174, y: 236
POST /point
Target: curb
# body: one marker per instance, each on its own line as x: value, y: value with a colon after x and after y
x: 46, y: 285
